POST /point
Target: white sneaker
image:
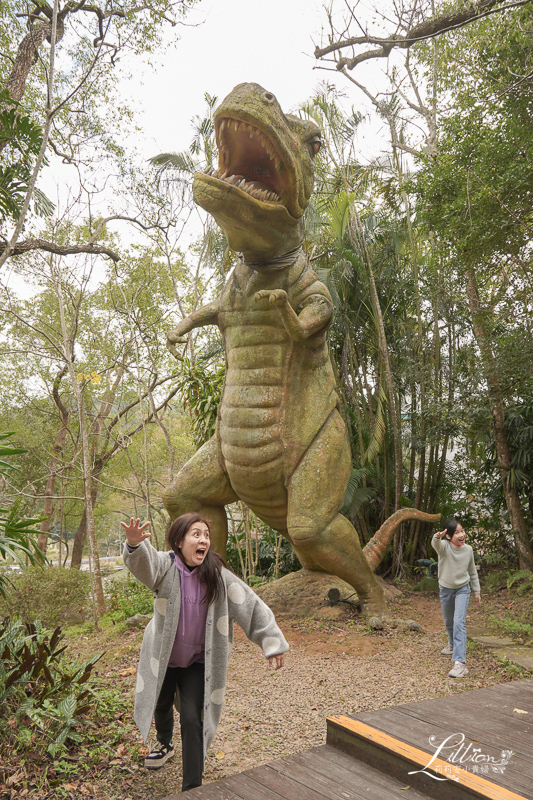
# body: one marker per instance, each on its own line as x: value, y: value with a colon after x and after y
x: 159, y: 755
x: 458, y: 670
x: 447, y: 651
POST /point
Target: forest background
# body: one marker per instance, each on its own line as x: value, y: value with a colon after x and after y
x: 425, y: 248
x: 420, y: 225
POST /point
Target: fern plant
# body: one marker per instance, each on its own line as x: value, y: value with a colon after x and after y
x: 525, y: 577
x: 17, y: 535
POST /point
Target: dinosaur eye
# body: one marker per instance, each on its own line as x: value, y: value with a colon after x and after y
x: 314, y: 145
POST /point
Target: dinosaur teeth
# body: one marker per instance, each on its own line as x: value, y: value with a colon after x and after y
x: 240, y: 182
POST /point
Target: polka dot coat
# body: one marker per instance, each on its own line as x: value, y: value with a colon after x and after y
x: 239, y: 604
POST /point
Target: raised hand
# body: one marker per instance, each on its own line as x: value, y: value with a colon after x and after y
x: 135, y: 531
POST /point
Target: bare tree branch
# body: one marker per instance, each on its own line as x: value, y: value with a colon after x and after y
x: 428, y: 29
x: 60, y: 250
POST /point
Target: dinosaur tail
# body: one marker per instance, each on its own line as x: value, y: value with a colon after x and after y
x: 377, y: 546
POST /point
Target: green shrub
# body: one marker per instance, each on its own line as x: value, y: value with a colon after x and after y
x: 43, y: 694
x: 52, y: 595
x: 512, y: 627
x: 266, y: 555
x: 428, y: 585
x: 525, y: 580
x: 128, y: 597
x: 495, y: 580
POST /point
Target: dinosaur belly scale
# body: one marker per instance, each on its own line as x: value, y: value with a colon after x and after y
x: 251, y: 412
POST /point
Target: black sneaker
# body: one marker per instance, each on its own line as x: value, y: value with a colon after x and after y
x: 159, y: 755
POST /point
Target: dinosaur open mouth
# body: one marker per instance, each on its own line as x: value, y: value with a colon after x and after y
x: 249, y: 161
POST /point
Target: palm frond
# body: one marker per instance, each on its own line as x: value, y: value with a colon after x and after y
x: 178, y: 161
x: 377, y: 436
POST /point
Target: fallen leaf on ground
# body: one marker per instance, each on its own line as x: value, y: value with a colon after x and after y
x: 519, y: 711
x: 128, y: 671
x: 15, y: 778
x: 220, y: 755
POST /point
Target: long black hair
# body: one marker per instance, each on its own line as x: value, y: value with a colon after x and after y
x: 451, y: 527
x: 210, y: 571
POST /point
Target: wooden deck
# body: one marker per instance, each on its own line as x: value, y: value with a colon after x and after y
x: 484, y: 719
x: 370, y: 755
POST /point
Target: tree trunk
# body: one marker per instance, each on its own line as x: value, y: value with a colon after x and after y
x: 42, y: 540
x: 396, y: 422
x: 27, y: 54
x: 503, y: 453
x: 81, y: 534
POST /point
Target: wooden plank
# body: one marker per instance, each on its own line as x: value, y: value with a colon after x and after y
x: 511, y: 730
x: 300, y: 771
x: 509, y: 733
x: 396, y: 723
x: 494, y: 730
x: 342, y: 776
x: 470, y: 781
x: 209, y: 791
x: 245, y: 787
x: 417, y: 729
x: 470, y: 706
x: 285, y: 785
x: 510, y: 694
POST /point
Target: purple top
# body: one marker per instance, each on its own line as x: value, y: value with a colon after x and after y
x: 189, y: 644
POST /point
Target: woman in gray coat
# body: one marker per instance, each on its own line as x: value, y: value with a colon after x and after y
x: 186, y: 645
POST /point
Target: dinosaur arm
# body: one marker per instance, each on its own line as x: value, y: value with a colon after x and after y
x: 315, y: 316
x: 206, y: 315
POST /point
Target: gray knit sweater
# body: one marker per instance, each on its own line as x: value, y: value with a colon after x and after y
x: 239, y: 604
x: 456, y: 565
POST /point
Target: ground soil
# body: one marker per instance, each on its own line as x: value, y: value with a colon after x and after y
x: 334, y: 666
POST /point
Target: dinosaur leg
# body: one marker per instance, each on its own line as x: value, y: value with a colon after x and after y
x: 202, y: 486
x: 322, y: 538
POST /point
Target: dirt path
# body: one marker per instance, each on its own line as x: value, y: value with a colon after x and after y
x: 332, y: 668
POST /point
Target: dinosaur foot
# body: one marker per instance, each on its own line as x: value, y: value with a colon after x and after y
x: 378, y: 622
x: 375, y: 614
x: 406, y: 625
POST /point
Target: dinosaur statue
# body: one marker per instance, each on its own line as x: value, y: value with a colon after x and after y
x: 281, y: 444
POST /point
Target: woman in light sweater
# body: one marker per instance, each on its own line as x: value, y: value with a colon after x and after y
x: 187, y: 643
x: 457, y: 573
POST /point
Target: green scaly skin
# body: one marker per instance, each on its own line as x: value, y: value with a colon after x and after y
x: 281, y: 444
x: 275, y: 153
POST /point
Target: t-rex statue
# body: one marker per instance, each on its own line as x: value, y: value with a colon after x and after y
x: 281, y: 444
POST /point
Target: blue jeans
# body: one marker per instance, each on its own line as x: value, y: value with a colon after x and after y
x: 454, y: 603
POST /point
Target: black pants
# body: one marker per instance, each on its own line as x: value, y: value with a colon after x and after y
x: 190, y: 683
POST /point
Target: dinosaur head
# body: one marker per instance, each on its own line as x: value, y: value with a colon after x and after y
x: 265, y: 173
